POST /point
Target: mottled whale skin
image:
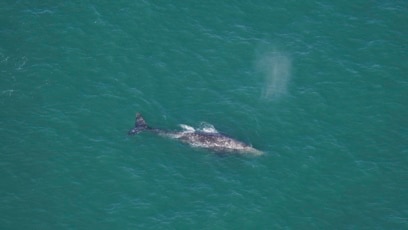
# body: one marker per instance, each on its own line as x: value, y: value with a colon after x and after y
x: 208, y: 139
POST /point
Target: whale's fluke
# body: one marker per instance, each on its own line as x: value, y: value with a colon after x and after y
x: 140, y: 125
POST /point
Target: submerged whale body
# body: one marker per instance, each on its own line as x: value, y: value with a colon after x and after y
x: 206, y: 138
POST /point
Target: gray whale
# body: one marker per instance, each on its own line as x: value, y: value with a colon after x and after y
x: 208, y: 139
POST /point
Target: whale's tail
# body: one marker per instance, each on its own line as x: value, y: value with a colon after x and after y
x: 140, y: 125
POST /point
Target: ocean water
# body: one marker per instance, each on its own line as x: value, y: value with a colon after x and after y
x: 320, y: 86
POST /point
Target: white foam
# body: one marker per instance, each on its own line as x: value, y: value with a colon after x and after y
x: 207, y: 128
x: 187, y: 128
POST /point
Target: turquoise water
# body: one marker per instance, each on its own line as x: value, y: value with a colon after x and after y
x: 320, y: 86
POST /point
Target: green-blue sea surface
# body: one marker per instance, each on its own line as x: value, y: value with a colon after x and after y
x: 320, y: 86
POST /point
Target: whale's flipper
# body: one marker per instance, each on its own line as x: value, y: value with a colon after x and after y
x: 140, y: 125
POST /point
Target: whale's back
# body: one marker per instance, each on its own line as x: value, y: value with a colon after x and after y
x: 215, y: 141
